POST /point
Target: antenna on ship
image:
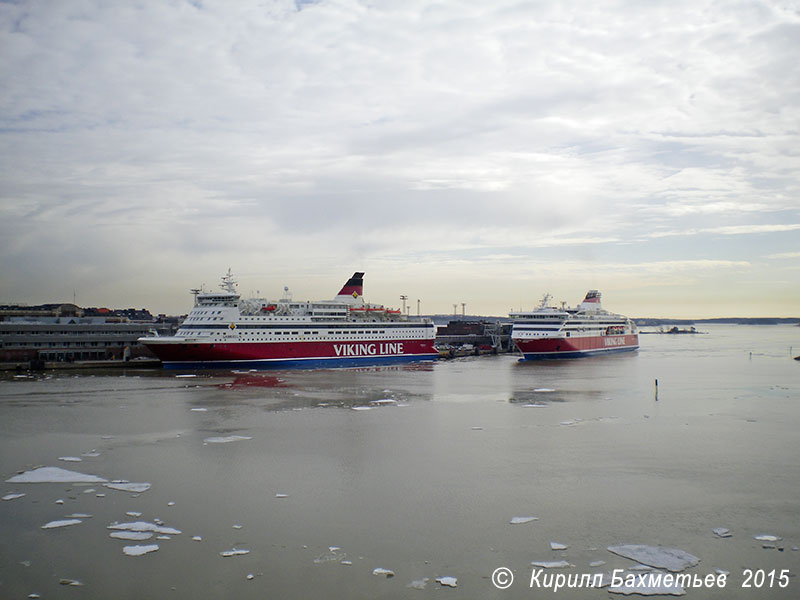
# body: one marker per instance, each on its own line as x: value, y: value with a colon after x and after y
x: 194, y: 292
x: 228, y: 284
x: 404, y: 298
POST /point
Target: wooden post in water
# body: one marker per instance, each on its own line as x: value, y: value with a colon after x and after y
x: 656, y: 386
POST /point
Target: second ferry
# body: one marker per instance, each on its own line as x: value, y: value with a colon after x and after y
x: 551, y: 332
x: 223, y: 330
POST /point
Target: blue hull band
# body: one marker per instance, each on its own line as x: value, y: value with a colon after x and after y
x: 308, y: 363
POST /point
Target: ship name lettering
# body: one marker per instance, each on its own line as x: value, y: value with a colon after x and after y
x: 368, y: 349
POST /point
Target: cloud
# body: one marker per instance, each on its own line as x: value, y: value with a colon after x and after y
x: 296, y: 137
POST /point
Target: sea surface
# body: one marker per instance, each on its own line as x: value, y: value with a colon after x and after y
x: 325, y: 476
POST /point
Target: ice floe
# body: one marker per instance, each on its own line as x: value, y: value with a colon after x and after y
x: 522, y: 520
x: 281, y: 495
x: 144, y: 526
x: 362, y: 407
x: 126, y: 486
x: 766, y: 537
x: 544, y: 390
x: 626, y: 589
x: 721, y: 532
x: 137, y: 536
x: 558, y: 546
x: 138, y: 550
x: 534, y: 405
x: 334, y: 555
x: 384, y: 401
x: 133, y: 513
x: 381, y: 571
x: 74, y: 582
x: 79, y: 516
x: 418, y: 584
x: 12, y: 496
x: 54, y: 475
x: 672, y: 559
x: 227, y: 439
x: 447, y: 581
x: 597, y: 563
x: 234, y: 552
x: 199, y: 410
x: 552, y: 564
x: 70, y: 458
x: 61, y: 523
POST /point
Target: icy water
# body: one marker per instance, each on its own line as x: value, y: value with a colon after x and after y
x: 325, y: 476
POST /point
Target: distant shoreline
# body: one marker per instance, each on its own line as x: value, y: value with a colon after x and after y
x: 646, y: 321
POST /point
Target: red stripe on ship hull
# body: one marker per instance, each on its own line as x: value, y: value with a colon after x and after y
x: 578, y: 345
x: 253, y: 351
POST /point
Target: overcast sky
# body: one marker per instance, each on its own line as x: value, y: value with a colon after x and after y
x: 455, y: 151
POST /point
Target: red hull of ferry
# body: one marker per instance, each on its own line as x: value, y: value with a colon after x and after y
x: 574, y: 347
x: 185, y: 354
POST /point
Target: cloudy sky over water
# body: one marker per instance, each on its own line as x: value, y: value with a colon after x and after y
x: 456, y: 151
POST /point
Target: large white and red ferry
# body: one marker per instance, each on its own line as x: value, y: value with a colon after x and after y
x: 223, y: 330
x: 550, y: 332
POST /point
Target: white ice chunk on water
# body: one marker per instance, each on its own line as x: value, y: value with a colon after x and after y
x: 137, y: 536
x: 279, y: 495
x: 234, y: 552
x: 54, y: 475
x: 125, y: 486
x: 140, y: 549
x: 534, y: 405
x: 552, y: 564
x: 447, y: 581
x: 647, y: 590
x: 766, y: 537
x: 70, y: 458
x: 362, y: 407
x: 186, y: 376
x: 227, y: 439
x: 12, y: 496
x: 522, y: 520
x: 199, y: 410
x: 384, y: 401
x: 418, y: 584
x: 544, y: 390
x: 558, y: 546
x: 672, y: 559
x: 61, y: 523
x: 381, y: 571
x: 597, y: 563
x: 79, y: 516
x: 144, y: 526
x: 721, y: 532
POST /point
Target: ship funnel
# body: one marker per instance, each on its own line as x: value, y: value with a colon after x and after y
x: 591, y: 302
x: 352, y: 292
